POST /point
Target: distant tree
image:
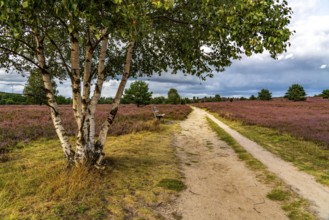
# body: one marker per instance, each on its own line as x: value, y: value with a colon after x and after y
x: 184, y: 101
x: 34, y: 89
x: 205, y: 99
x: 158, y: 100
x: 138, y: 93
x: 12, y: 99
x: 243, y: 98
x: 9, y: 101
x: 217, y: 98
x: 105, y: 100
x: 325, y: 94
x: 62, y: 100
x: 252, y: 97
x: 264, y: 95
x: 173, y: 97
x: 296, y: 92
x: 187, y: 100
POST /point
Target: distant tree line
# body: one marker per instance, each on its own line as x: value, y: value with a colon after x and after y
x: 138, y: 93
x: 12, y: 99
x: 21, y: 99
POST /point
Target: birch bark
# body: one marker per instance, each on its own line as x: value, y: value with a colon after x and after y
x: 81, y: 150
x: 105, y: 126
x: 55, y: 115
x: 97, y: 93
x: 85, y: 116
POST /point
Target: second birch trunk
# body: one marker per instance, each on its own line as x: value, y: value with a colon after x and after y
x: 115, y: 106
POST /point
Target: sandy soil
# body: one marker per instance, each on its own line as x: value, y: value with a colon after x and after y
x: 219, y: 185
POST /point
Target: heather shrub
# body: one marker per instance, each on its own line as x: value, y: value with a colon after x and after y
x: 25, y: 123
x: 308, y: 120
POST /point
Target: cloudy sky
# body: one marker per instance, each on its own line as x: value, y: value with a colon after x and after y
x: 306, y: 62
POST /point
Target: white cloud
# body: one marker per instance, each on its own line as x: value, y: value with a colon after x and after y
x: 323, y: 66
x: 286, y: 56
x: 311, y: 38
x: 303, y: 7
x: 289, y: 56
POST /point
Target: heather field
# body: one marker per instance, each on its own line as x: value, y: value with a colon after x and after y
x: 26, y: 123
x: 308, y: 120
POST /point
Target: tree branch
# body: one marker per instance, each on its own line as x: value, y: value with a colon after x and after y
x: 68, y: 69
x: 24, y: 57
x: 19, y: 40
x: 62, y: 22
x: 104, y: 34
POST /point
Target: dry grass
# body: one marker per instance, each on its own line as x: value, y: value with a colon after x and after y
x: 34, y: 183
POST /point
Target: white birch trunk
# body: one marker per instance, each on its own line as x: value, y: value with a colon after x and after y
x: 105, y: 126
x: 55, y: 115
x: 81, y: 150
x: 85, y: 117
x: 84, y: 108
x: 97, y: 92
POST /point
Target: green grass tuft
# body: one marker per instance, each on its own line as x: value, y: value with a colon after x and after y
x: 172, y: 184
x: 278, y: 195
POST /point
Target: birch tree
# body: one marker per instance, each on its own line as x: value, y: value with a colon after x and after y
x: 90, y: 41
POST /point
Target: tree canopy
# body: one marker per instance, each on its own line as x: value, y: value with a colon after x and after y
x: 325, y: 94
x: 296, y: 92
x: 264, y: 95
x: 173, y: 96
x: 90, y: 41
x: 168, y: 34
x: 252, y: 97
x: 138, y: 93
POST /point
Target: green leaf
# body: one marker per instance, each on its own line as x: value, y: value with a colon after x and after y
x: 168, y: 4
x: 157, y: 3
x: 25, y: 4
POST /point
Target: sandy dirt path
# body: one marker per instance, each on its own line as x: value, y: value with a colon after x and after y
x: 302, y: 183
x: 219, y: 185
